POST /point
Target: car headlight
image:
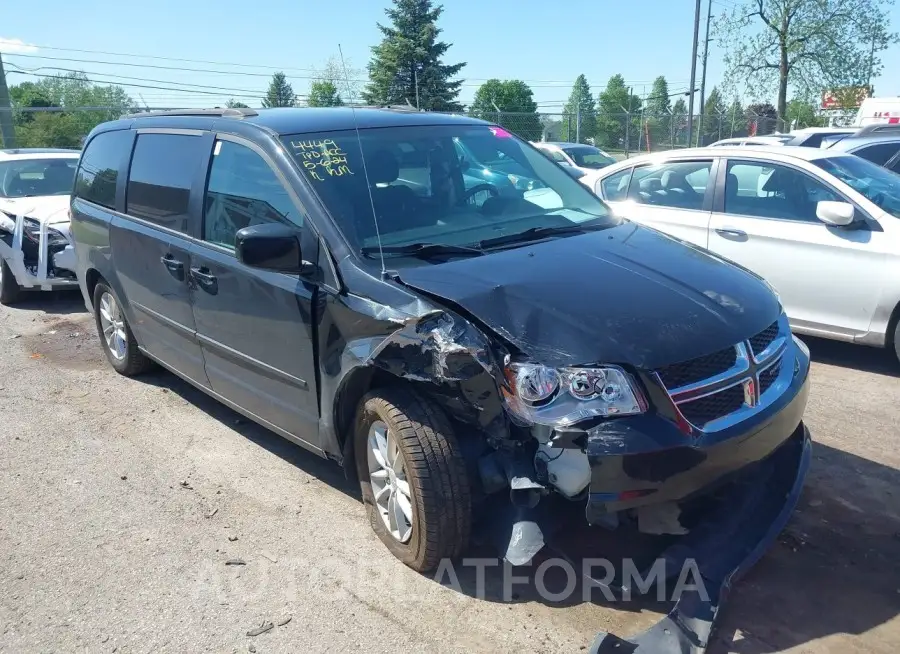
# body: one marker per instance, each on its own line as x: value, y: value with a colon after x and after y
x: 32, y: 231
x: 542, y: 395
x: 521, y: 183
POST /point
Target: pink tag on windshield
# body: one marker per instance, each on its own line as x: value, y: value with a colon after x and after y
x: 501, y: 133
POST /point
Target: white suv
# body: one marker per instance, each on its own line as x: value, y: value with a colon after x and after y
x: 823, y: 227
x: 35, y: 246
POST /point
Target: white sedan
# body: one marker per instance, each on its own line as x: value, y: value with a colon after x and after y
x: 36, y: 250
x: 822, y: 227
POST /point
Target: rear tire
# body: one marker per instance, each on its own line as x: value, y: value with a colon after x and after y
x: 116, y: 338
x: 428, y: 477
x: 897, y: 340
x: 10, y: 290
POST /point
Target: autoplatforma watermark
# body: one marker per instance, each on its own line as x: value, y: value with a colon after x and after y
x: 553, y: 580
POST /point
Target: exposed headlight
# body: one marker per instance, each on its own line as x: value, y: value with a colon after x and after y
x: 32, y: 231
x: 538, y: 394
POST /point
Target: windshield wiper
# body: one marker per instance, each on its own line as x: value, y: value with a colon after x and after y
x: 536, y: 233
x: 422, y: 250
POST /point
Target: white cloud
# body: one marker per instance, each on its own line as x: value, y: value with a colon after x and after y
x: 16, y: 46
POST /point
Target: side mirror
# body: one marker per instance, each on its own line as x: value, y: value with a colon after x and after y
x: 270, y: 246
x: 839, y: 214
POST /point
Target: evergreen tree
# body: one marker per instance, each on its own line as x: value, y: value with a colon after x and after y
x: 658, y: 112
x: 407, y: 66
x: 323, y: 93
x: 234, y: 104
x: 580, y: 107
x: 280, y: 93
x: 679, y: 122
x: 737, y: 124
x: 713, y: 115
x: 618, y: 114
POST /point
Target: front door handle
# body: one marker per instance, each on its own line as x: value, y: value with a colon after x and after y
x: 175, y: 266
x: 732, y: 232
x: 205, y: 279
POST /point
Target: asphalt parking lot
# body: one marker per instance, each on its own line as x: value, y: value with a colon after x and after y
x: 137, y: 515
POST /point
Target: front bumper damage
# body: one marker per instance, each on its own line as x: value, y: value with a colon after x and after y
x: 724, y: 545
x: 40, y: 268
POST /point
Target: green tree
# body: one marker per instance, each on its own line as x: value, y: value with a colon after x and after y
x: 618, y: 115
x: 407, y: 66
x: 713, y: 117
x: 234, y: 104
x: 580, y: 107
x: 801, y: 113
x: 280, y: 92
x: 518, y: 110
x: 809, y: 45
x: 65, y: 120
x: 679, y: 123
x: 323, y: 93
x: 657, y: 111
x: 737, y: 123
x: 762, y: 118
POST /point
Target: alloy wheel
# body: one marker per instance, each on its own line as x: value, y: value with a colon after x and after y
x: 113, y: 325
x: 390, y: 486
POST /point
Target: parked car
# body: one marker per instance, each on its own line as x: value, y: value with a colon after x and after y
x: 440, y: 349
x: 752, y: 141
x: 35, y: 249
x: 812, y: 137
x: 578, y: 155
x: 822, y: 227
x: 881, y: 149
x: 506, y: 175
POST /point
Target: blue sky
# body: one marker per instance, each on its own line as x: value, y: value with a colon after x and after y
x: 524, y: 39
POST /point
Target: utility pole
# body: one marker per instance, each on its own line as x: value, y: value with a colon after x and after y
x: 690, y: 124
x: 6, y: 116
x: 703, y: 74
x: 416, y: 76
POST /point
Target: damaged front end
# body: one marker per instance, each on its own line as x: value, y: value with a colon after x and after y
x: 38, y: 252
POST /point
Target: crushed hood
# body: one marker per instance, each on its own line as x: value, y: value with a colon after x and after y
x: 626, y: 295
x: 51, y: 209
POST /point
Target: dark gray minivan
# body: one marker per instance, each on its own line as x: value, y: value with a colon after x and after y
x: 330, y: 274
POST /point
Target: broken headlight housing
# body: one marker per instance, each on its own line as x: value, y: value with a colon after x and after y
x: 564, y: 396
x: 32, y: 231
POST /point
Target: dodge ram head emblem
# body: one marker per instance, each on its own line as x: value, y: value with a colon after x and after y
x: 750, y: 393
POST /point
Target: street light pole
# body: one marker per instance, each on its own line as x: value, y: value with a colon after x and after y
x: 693, y: 71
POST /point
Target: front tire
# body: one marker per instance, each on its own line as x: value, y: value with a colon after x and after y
x: 897, y: 340
x: 9, y: 287
x: 413, y: 477
x: 118, y: 342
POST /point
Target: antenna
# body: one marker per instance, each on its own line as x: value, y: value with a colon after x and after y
x: 363, y: 157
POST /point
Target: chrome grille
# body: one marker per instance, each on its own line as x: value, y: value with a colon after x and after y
x: 696, y: 370
x: 715, y: 386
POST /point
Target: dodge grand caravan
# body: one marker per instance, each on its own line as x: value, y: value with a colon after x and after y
x: 328, y: 274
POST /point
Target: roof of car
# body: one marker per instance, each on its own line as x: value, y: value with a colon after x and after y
x: 788, y: 151
x: 851, y: 143
x: 37, y: 153
x: 297, y: 120
x: 567, y: 144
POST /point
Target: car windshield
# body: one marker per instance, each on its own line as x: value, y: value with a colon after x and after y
x: 587, y: 157
x: 424, y: 192
x: 21, y: 178
x: 877, y: 184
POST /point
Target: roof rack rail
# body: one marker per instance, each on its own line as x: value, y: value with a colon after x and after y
x: 877, y: 127
x: 228, y: 112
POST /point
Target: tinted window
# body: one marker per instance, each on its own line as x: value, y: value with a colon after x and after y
x: 589, y: 157
x: 772, y: 191
x: 614, y: 187
x: 880, y: 153
x: 98, y: 171
x: 243, y: 190
x: 162, y: 170
x: 677, y: 184
x: 556, y: 155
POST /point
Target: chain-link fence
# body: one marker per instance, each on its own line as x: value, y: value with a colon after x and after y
x: 622, y: 134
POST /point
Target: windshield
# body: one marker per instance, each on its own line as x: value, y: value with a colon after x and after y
x: 877, y: 184
x: 425, y: 191
x: 587, y: 157
x: 21, y: 178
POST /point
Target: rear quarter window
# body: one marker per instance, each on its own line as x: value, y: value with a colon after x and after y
x: 98, y: 171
